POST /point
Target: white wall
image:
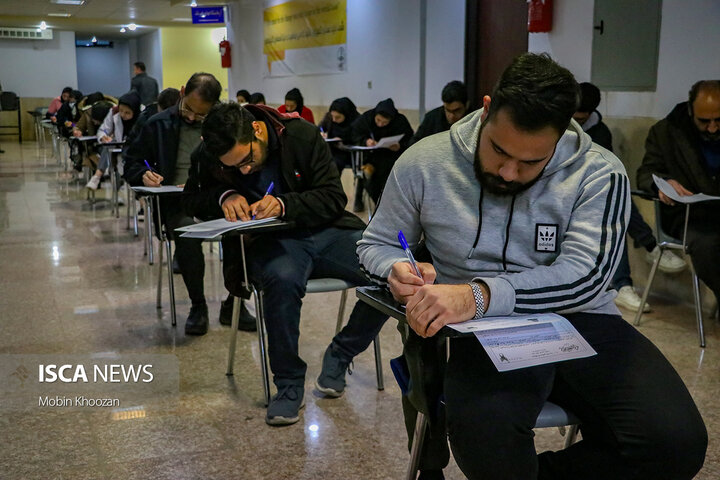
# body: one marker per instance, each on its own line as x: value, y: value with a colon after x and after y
x: 149, y: 51
x: 382, y: 48
x: 689, y: 36
x: 104, y: 69
x: 38, y: 68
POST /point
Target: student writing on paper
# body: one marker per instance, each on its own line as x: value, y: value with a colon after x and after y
x: 165, y: 145
x: 382, y: 121
x: 684, y: 149
x: 338, y: 124
x: 521, y: 215
x: 244, y: 149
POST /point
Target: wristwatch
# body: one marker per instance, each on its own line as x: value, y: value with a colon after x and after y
x: 479, y: 300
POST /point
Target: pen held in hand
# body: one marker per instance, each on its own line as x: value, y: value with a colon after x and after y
x: 408, y: 253
x: 267, y: 192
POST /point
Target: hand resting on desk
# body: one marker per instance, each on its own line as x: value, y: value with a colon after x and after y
x: 152, y: 179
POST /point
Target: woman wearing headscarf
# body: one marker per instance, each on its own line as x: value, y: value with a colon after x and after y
x: 117, y: 124
x: 294, y: 102
x: 382, y: 121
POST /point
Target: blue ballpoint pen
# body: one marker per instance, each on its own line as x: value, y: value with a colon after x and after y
x: 149, y: 167
x: 408, y: 253
x: 267, y: 192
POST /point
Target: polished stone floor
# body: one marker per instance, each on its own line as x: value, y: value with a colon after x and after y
x: 74, y: 280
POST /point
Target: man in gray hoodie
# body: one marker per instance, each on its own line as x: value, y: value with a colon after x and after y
x: 522, y: 214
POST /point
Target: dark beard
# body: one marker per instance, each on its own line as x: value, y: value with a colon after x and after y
x: 710, y: 137
x: 495, y: 183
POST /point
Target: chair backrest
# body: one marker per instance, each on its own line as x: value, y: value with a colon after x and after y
x: 662, y: 237
x: 9, y: 101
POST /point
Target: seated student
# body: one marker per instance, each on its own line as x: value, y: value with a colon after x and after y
x: 294, y: 103
x: 479, y: 197
x: 114, y: 127
x: 57, y: 103
x: 88, y: 124
x: 165, y: 144
x: 257, y: 98
x: 242, y: 97
x: 243, y: 150
x: 454, y: 107
x: 338, y: 124
x: 69, y: 113
x: 684, y: 149
x: 382, y: 121
x: 591, y: 122
x: 166, y: 99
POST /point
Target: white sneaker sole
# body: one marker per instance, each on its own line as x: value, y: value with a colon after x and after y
x: 330, y: 392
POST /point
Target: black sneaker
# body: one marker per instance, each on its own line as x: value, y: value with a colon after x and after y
x: 246, y: 322
x: 197, y: 321
x: 331, y: 380
x: 284, y: 408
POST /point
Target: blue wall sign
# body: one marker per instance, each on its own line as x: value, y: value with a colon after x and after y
x: 208, y: 14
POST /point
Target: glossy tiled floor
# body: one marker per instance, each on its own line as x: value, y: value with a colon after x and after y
x: 74, y: 280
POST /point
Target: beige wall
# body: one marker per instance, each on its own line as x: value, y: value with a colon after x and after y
x: 10, y: 118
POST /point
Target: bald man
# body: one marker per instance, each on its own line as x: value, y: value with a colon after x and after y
x: 684, y: 149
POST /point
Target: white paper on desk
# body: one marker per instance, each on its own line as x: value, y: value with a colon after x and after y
x: 86, y: 138
x: 160, y: 189
x: 386, y: 142
x: 527, y: 340
x: 335, y: 139
x: 668, y: 190
x: 214, y: 228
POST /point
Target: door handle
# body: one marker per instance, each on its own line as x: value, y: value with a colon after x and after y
x: 600, y: 27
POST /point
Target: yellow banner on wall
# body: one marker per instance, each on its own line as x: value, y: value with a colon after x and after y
x: 305, y: 37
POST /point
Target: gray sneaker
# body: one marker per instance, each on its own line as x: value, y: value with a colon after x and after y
x: 331, y: 380
x: 285, y: 405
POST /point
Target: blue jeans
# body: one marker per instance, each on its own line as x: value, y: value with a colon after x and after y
x: 280, y: 265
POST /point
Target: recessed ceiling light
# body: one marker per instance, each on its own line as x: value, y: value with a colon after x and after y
x: 94, y: 39
x: 193, y: 3
x: 43, y: 25
x: 59, y: 14
x: 122, y: 30
x: 68, y: 2
x: 132, y: 27
x: 182, y: 19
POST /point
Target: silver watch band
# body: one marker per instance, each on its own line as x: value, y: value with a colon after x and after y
x: 479, y: 300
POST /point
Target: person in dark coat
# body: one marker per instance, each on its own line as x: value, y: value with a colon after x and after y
x: 69, y: 113
x: 145, y: 85
x: 454, y: 107
x: 382, y: 121
x: 244, y: 150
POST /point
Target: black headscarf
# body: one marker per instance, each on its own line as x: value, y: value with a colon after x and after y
x: 296, y: 97
x: 387, y: 108
x: 343, y: 130
x: 132, y: 101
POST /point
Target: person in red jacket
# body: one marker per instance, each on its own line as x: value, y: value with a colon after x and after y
x: 294, y: 103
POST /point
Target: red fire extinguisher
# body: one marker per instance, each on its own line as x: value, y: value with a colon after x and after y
x: 225, y: 59
x: 539, y: 16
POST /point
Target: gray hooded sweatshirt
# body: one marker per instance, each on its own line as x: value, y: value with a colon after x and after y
x: 551, y: 248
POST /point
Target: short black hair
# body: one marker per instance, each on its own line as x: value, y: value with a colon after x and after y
x: 702, y: 85
x: 206, y: 86
x: 454, y: 91
x: 93, y: 98
x: 256, y: 97
x: 243, y: 93
x: 67, y: 90
x: 168, y: 98
x: 589, y: 97
x: 536, y: 92
x: 225, y: 125
x: 140, y: 66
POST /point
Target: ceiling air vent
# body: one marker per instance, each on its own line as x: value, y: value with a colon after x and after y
x: 26, y: 33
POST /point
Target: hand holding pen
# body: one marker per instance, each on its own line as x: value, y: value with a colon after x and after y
x: 268, y: 206
x: 151, y: 178
x: 406, y: 278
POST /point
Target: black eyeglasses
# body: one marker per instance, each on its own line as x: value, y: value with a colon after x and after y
x: 249, y: 159
x: 186, y: 111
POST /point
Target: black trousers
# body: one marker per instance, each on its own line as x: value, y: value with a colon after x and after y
x: 188, y: 251
x: 638, y: 419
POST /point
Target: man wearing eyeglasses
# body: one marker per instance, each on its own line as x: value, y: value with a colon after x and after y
x: 165, y: 143
x: 244, y: 150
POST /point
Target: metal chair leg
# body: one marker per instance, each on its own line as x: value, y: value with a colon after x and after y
x: 262, y: 334
x: 378, y: 364
x: 341, y: 312
x: 571, y: 435
x: 698, y: 306
x: 149, y: 228
x: 417, y: 444
x: 171, y: 282
x: 233, y: 336
x: 158, y: 303
x: 653, y: 270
